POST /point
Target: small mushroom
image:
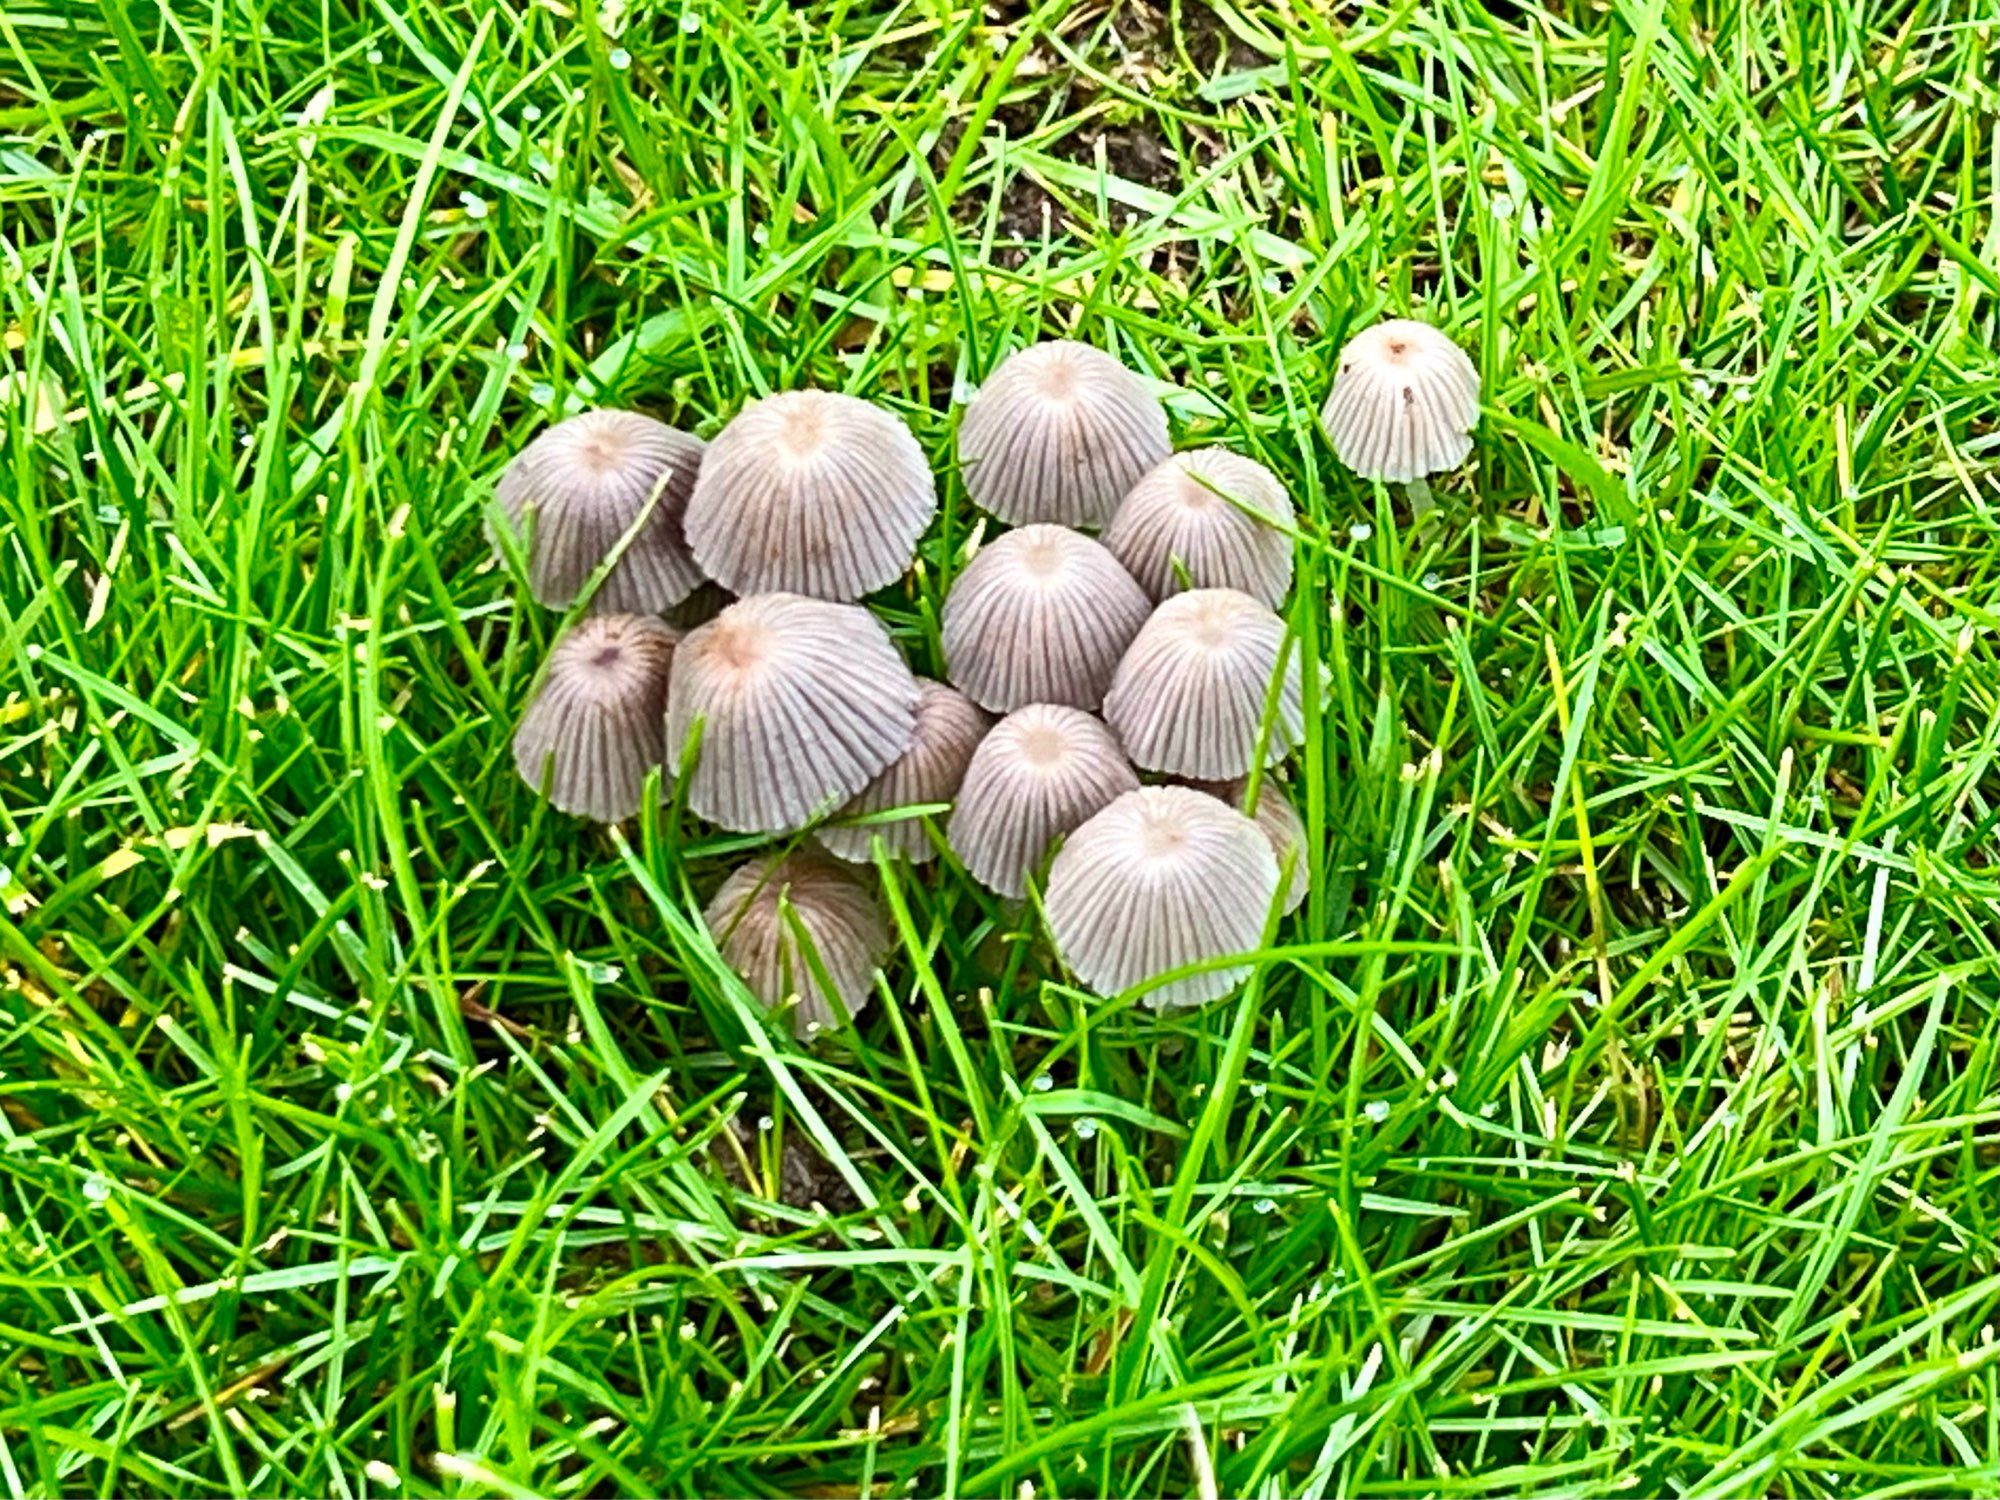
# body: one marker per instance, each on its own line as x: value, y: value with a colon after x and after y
x: 1041, y: 615
x: 949, y: 728
x: 1281, y: 824
x: 1059, y: 432
x: 574, y: 491
x: 1188, y: 699
x: 1041, y: 771
x: 810, y: 492
x: 1224, y: 518
x: 597, y: 723
x: 1163, y: 877
x: 801, y: 703
x: 1404, y: 402
x: 759, y: 914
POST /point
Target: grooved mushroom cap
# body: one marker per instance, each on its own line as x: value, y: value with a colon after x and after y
x: 1043, y: 770
x: 585, y: 481
x: 1189, y: 696
x: 597, y: 723
x: 838, y: 915
x: 1225, y: 518
x: 1040, y: 615
x: 1164, y: 876
x: 810, y: 492
x: 949, y: 728
x: 1404, y: 402
x: 1059, y: 432
x: 1281, y: 824
x: 802, y: 704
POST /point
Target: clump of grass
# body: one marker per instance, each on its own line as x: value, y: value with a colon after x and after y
x: 1619, y: 1109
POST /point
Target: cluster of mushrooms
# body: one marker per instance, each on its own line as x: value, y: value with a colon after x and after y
x: 1077, y: 664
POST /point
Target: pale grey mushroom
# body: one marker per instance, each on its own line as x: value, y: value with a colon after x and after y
x: 596, y: 725
x: 1059, y: 432
x: 810, y: 492
x: 949, y: 728
x: 1404, y: 402
x: 1040, y: 615
x: 1225, y: 519
x: 1041, y: 771
x: 1161, y: 878
x: 757, y: 917
x: 1188, y: 699
x: 801, y: 704
x: 1280, y: 821
x: 574, y: 491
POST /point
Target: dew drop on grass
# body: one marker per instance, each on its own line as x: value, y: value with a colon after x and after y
x: 476, y: 207
x: 517, y: 352
x: 1361, y: 531
x: 375, y: 56
x: 1043, y: 1083
x: 1377, y: 1110
x: 690, y: 21
x: 1433, y: 581
x: 541, y: 393
x: 1086, y: 1128
x: 96, y: 1188
x: 620, y: 59
x: 599, y: 973
x: 530, y: 113
x: 1503, y: 207
x: 1257, y: 1090
x: 1264, y: 1206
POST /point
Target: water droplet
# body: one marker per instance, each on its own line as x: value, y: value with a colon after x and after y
x: 1361, y: 531
x: 1257, y: 1090
x: 1377, y: 1110
x: 517, y: 352
x: 476, y: 207
x: 343, y: 1092
x: 375, y: 56
x: 620, y: 59
x: 765, y: 1122
x: 96, y: 1188
x: 1043, y: 1083
x: 1503, y: 207
x: 690, y: 21
x: 1433, y: 581
x: 1489, y: 1109
x: 1264, y: 1206
x: 531, y: 113
x: 1086, y: 1128
x: 541, y: 393
x: 599, y: 973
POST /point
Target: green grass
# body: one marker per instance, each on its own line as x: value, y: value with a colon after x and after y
x: 1620, y: 1115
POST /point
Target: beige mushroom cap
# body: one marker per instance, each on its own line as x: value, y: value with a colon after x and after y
x: 1188, y: 698
x: 949, y: 728
x: 1040, y: 615
x: 1404, y: 402
x: 839, y: 917
x: 597, y: 723
x: 1224, y: 518
x: 802, y: 704
x: 574, y: 491
x: 1040, y: 772
x: 1281, y: 824
x: 1059, y: 432
x: 810, y: 492
x: 1162, y: 877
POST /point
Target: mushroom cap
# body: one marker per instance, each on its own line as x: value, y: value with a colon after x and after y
x: 949, y: 728
x: 1162, y: 877
x: 838, y: 915
x: 1281, y: 824
x: 1040, y: 615
x: 1188, y: 698
x: 1404, y: 402
x: 585, y: 481
x: 1059, y: 432
x: 597, y: 724
x: 1041, y: 771
x: 802, y: 703
x: 810, y: 492
x: 1225, y: 518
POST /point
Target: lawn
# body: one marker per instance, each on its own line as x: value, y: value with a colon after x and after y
x: 1620, y: 1113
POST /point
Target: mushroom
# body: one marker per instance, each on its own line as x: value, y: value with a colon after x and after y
x: 574, y: 491
x: 1404, y: 401
x: 596, y: 725
x: 1163, y: 877
x: 1281, y: 824
x: 1059, y: 432
x: 1188, y: 699
x: 801, y: 703
x: 1224, y: 518
x: 759, y: 914
x: 810, y: 492
x: 949, y: 728
x: 1041, y: 771
x: 1041, y: 615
